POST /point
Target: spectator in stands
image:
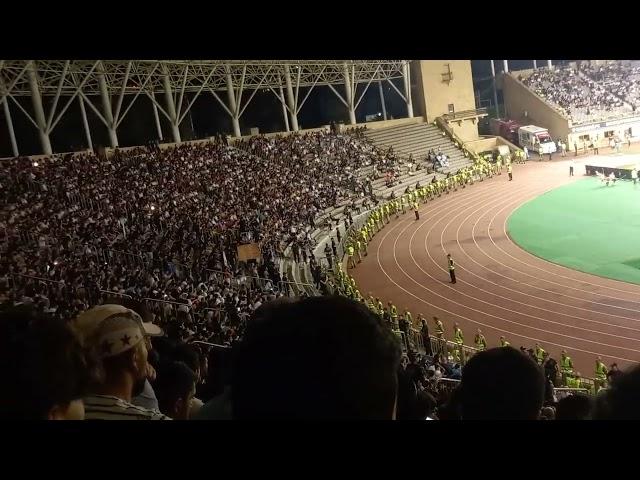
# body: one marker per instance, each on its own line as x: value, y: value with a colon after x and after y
x: 501, y: 383
x: 425, y: 405
x: 574, y: 407
x: 43, y: 368
x: 84, y: 230
x: 175, y: 387
x: 117, y: 336
x: 456, y: 372
x: 613, y: 373
x: 147, y: 398
x: 320, y: 358
x: 551, y: 369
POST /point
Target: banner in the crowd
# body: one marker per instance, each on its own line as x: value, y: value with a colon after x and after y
x: 250, y: 251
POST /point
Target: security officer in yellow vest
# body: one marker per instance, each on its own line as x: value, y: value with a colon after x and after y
x: 408, y: 317
x: 601, y: 374
x: 371, y: 303
x: 452, y: 268
x: 442, y: 342
x: 510, y: 172
x: 458, y: 338
x: 539, y: 353
x: 504, y: 342
x: 573, y: 381
x: 358, y: 249
x: 439, y: 328
x: 457, y: 334
x: 566, y: 365
x: 350, y: 256
x: 393, y: 312
x: 480, y: 341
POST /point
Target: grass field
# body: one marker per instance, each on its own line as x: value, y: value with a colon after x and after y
x: 585, y: 226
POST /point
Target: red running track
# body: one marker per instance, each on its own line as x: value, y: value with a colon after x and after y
x: 501, y: 288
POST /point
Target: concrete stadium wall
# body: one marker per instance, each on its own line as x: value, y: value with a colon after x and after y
x: 389, y: 123
x: 518, y: 99
x: 437, y: 94
x: 163, y: 146
x: 40, y: 156
x: 488, y: 143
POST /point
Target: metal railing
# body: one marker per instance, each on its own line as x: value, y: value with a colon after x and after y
x: 211, y: 345
x: 563, y: 392
x: 110, y: 293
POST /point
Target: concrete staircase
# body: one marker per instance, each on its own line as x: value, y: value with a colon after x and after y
x: 417, y: 140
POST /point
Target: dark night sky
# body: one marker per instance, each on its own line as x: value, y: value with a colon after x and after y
x: 208, y: 118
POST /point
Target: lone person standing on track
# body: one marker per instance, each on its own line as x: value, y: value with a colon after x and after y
x: 415, y: 210
x: 634, y: 175
x: 510, y: 172
x: 452, y: 268
x: 571, y: 165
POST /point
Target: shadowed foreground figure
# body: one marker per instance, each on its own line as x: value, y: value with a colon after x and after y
x: 501, y: 384
x: 44, y: 371
x: 621, y: 401
x: 316, y: 358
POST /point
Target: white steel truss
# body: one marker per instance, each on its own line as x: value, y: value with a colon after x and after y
x: 111, y: 87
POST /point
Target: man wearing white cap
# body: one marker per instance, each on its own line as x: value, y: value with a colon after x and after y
x: 118, y: 338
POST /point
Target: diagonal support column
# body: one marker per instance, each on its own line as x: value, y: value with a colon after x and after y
x: 106, y: 108
x: 284, y: 110
x: 171, y: 108
x: 293, y: 108
x: 36, y: 99
x: 12, y: 133
x: 406, y: 76
x: 349, y: 95
x: 156, y: 118
x: 233, y: 107
x: 384, y: 106
x: 85, y: 123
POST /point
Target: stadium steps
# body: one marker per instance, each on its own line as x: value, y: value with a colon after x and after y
x: 417, y: 140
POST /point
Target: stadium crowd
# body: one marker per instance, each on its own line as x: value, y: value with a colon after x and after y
x: 92, y: 247
x: 341, y: 362
x: 164, y: 225
x: 578, y: 95
x: 621, y: 78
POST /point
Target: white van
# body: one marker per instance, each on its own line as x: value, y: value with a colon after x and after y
x: 536, y: 139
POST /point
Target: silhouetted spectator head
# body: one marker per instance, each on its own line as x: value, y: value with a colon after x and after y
x: 547, y: 413
x: 175, y: 387
x: 574, y: 407
x: 621, y: 401
x: 501, y: 383
x: 190, y: 356
x: 425, y: 405
x: 317, y: 358
x: 43, y: 368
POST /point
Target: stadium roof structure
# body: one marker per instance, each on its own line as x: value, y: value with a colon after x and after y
x: 119, y: 83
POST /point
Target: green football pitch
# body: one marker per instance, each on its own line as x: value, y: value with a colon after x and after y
x: 586, y: 226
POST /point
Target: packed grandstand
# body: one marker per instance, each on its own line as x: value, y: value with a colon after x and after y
x: 123, y: 284
x: 589, y: 92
